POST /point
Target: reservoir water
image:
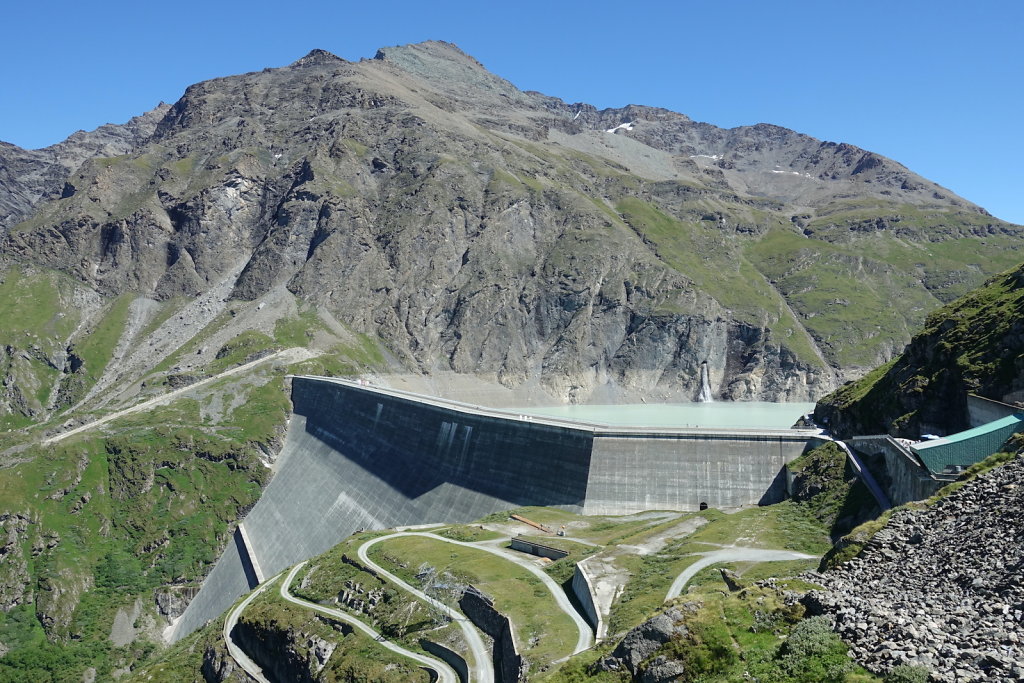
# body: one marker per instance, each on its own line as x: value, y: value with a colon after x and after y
x: 734, y: 414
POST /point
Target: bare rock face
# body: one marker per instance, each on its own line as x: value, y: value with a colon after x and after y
x: 471, y: 227
x: 30, y: 176
x: 219, y: 667
x: 57, y: 595
x: 634, y: 652
x: 171, y: 601
x: 15, y: 588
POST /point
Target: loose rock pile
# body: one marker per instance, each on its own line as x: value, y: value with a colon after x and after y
x: 940, y: 587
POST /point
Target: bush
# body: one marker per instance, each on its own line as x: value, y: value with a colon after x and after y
x: 907, y: 673
x: 813, y: 653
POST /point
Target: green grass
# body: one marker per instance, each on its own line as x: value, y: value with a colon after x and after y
x: 971, y: 345
x: 32, y: 306
x: 116, y: 516
x: 97, y: 348
x: 398, y: 615
x: 781, y: 526
x: 298, y: 331
x: 718, y: 265
x: 357, y: 657
x: 784, y: 525
x: 468, y: 533
x: 240, y: 350
x: 543, y: 635
x: 739, y: 636
x: 840, y: 500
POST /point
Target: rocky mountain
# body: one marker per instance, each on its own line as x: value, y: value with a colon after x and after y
x: 422, y: 206
x: 30, y: 176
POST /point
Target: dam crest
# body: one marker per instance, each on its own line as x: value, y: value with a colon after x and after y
x: 363, y: 457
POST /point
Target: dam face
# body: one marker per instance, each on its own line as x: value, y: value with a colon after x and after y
x: 358, y: 457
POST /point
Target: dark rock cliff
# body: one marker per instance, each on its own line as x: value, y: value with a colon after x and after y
x: 509, y: 665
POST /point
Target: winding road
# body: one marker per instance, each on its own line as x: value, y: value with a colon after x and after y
x: 730, y: 555
x: 445, y: 674
x: 237, y: 653
x: 482, y: 670
x: 585, y: 638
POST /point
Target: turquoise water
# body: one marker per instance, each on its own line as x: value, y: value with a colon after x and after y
x: 746, y: 414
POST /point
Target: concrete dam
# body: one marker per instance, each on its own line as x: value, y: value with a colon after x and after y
x: 360, y: 457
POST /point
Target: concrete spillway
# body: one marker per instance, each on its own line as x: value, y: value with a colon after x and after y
x: 357, y: 457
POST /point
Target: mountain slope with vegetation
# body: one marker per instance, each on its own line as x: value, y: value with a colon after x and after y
x: 974, y: 345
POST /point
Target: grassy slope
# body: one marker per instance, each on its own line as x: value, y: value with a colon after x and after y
x: 147, y: 506
x: 38, y: 318
x: 823, y: 484
x: 972, y: 345
x: 543, y: 635
x: 784, y: 526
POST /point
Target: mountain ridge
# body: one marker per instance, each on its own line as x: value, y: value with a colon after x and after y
x: 426, y: 193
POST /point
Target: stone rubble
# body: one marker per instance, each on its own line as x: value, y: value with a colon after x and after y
x: 939, y: 587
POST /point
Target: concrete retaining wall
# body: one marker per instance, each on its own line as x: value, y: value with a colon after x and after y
x: 509, y: 666
x: 905, y: 479
x: 449, y: 657
x: 583, y: 589
x: 679, y: 472
x: 525, y: 545
x: 983, y: 410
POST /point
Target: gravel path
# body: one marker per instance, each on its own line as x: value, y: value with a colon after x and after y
x: 585, y: 638
x: 293, y: 355
x: 730, y: 555
x: 237, y: 653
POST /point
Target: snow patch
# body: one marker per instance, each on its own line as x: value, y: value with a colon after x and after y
x: 796, y: 173
x: 625, y: 126
x: 713, y: 157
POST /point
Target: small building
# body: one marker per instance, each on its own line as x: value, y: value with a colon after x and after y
x: 963, y: 449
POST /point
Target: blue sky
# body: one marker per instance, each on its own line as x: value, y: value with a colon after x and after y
x: 938, y: 86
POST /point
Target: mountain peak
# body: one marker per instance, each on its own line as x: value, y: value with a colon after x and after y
x: 449, y: 69
x: 317, y: 56
x: 437, y: 48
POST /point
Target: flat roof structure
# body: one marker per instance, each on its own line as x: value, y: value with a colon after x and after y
x: 968, y: 447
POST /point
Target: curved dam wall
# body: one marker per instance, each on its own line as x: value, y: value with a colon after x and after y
x: 358, y: 457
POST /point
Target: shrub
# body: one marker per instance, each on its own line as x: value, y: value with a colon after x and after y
x: 907, y: 673
x: 813, y: 653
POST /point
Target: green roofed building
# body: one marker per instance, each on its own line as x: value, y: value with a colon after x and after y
x: 966, y: 448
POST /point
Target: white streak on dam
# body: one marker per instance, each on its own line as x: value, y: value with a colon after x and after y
x: 358, y: 457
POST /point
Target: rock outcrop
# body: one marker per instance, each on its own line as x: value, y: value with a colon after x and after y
x: 940, y: 587
x: 15, y: 588
x: 636, y: 652
x: 509, y: 665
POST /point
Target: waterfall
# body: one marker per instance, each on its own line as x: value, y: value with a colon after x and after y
x: 705, y: 386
